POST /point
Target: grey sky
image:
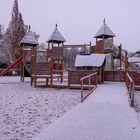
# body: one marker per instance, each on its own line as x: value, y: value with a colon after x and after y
x: 79, y: 20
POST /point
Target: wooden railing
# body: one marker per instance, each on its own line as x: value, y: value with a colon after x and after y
x: 91, y: 86
x: 130, y: 88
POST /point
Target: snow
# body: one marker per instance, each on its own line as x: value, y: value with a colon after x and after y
x: 95, y: 60
x: 25, y: 111
x: 29, y: 38
x: 105, y: 115
x: 134, y: 59
x: 104, y: 30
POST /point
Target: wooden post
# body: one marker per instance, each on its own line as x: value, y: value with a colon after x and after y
x: 69, y: 79
x: 100, y: 75
x: 31, y: 78
x: 120, y: 52
x: 62, y: 61
x: 103, y: 44
x: 51, y: 72
x: 32, y: 65
x: 23, y: 63
x: 35, y: 65
x: 20, y: 66
x: 126, y: 78
x: 96, y: 45
x: 112, y: 61
x: 46, y: 55
x: 111, y: 42
x: 126, y: 62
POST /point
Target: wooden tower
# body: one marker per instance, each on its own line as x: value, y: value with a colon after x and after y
x: 101, y: 36
x: 56, y: 50
x: 28, y: 43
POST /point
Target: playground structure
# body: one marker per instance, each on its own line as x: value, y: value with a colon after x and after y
x: 90, y: 66
x: 46, y: 64
x: 104, y: 46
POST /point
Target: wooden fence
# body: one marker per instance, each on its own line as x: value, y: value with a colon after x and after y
x: 135, y: 77
x: 92, y: 84
x: 117, y: 76
x: 74, y: 77
x: 130, y: 88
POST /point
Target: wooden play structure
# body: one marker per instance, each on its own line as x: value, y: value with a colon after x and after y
x: 56, y: 51
x: 89, y: 66
x: 104, y: 44
x: 27, y: 44
x: 40, y: 69
x: 46, y: 64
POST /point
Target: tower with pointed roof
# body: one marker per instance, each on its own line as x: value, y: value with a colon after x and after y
x: 29, y: 39
x: 56, y: 49
x: 56, y: 37
x: 28, y: 44
x: 104, y: 39
x: 56, y: 44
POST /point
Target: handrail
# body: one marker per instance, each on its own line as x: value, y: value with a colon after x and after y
x: 130, y: 88
x: 90, y: 88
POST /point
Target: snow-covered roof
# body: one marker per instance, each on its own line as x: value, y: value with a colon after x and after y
x: 104, y: 31
x: 29, y: 39
x: 56, y: 36
x: 95, y: 60
x: 134, y: 59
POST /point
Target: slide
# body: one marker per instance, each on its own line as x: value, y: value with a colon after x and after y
x: 27, y: 70
x: 18, y: 61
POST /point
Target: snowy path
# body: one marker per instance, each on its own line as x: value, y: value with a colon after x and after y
x: 105, y: 115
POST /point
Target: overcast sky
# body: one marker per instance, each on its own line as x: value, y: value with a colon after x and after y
x: 79, y: 20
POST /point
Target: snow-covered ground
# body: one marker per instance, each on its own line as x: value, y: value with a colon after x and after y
x: 137, y: 103
x: 137, y: 100
x: 25, y: 110
x: 105, y: 115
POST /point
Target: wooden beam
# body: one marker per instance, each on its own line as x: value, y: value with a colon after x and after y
x: 100, y: 75
x: 112, y: 61
x: 120, y: 51
x: 126, y: 62
x: 96, y: 45
x: 103, y: 44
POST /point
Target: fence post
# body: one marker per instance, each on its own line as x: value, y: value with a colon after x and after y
x: 132, y: 94
x: 89, y: 83
x: 81, y: 90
